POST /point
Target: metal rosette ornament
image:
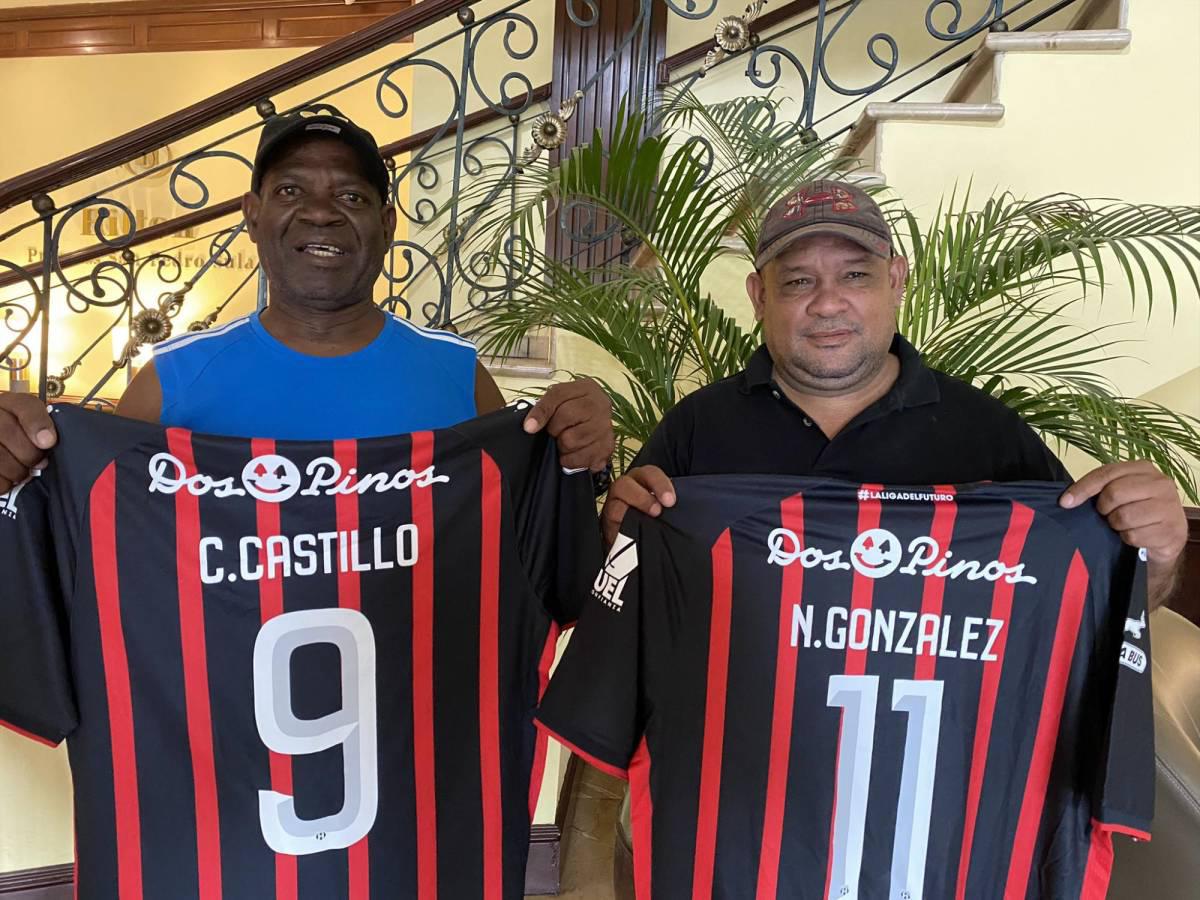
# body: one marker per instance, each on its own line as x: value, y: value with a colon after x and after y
x: 550, y: 130
x: 148, y: 327
x: 733, y: 34
x: 56, y: 386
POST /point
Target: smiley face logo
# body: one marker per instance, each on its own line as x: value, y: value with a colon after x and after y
x: 271, y: 478
x: 875, y: 553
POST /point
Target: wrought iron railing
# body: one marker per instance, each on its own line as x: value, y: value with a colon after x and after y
x: 90, y: 265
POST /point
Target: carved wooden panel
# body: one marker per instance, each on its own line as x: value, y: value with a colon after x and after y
x: 580, y: 52
x: 140, y: 26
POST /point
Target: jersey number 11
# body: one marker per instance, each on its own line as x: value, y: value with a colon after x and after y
x: 857, y: 696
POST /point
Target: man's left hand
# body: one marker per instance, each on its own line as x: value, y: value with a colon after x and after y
x: 578, y: 414
x: 1143, y: 506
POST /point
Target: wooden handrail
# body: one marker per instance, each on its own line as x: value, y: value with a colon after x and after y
x: 228, y: 207
x: 697, y: 52
x: 132, y: 144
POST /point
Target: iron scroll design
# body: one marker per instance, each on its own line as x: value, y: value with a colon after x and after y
x: 485, y: 120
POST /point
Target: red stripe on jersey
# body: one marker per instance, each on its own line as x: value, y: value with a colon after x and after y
x: 194, y: 650
x: 422, y: 626
x: 791, y: 513
x: 28, y: 734
x: 270, y: 602
x: 1136, y: 833
x: 489, y: 682
x: 714, y: 718
x: 1010, y: 555
x: 864, y: 587
x: 1074, y: 599
x: 128, y: 823
x: 869, y: 512
x: 1099, y: 865
x: 541, y: 741
x: 641, y: 819
x: 942, y: 531
x: 358, y: 855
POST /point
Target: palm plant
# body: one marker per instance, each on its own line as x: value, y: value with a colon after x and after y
x: 985, y: 298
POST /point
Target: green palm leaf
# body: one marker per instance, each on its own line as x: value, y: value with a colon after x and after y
x: 991, y: 290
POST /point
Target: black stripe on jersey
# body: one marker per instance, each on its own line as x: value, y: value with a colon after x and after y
x: 232, y: 621
x: 678, y: 723
x: 1019, y: 697
x: 153, y: 649
x: 318, y: 779
x: 813, y: 759
x: 456, y: 583
x: 90, y: 745
x: 524, y: 626
x: 904, y: 594
x: 753, y: 630
x: 978, y: 529
x: 387, y: 602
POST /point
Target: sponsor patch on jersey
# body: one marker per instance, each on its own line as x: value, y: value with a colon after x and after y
x: 878, y: 553
x: 1133, y: 657
x: 610, y: 583
x: 274, y: 479
x: 1135, y: 627
x: 271, y: 478
x: 875, y: 553
x: 8, y: 502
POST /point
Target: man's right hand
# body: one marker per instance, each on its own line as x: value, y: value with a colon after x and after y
x: 26, y: 433
x: 645, y: 488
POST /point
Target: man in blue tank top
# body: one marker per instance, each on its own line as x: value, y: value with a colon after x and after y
x: 321, y: 361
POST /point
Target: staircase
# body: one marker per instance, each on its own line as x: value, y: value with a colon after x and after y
x: 1097, y: 109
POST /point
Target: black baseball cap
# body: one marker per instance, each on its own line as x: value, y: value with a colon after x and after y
x: 282, y: 130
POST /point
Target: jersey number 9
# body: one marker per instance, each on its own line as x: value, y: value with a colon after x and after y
x: 353, y: 727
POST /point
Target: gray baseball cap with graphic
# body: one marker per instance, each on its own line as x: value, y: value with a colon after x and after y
x: 823, y: 207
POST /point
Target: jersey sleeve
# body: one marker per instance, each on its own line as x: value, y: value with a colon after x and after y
x: 595, y: 701
x: 559, y: 533
x: 36, y: 697
x: 1124, y: 797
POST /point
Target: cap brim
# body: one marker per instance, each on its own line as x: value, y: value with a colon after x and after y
x: 868, y: 240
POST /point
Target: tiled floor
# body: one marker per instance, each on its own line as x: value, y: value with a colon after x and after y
x: 588, y: 842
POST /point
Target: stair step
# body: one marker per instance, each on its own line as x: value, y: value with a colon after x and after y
x: 865, y: 129
x: 987, y: 58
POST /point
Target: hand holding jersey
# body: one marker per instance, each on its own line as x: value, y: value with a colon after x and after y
x: 26, y: 434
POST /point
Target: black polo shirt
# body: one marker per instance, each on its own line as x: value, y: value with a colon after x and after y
x: 928, y: 429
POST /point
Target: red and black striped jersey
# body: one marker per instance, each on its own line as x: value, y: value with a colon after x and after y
x: 292, y: 670
x: 822, y: 690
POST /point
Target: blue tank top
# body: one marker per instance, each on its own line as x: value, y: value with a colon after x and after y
x: 238, y: 380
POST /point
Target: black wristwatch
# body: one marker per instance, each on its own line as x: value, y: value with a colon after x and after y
x: 602, y: 480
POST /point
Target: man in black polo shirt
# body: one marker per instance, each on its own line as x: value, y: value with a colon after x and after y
x: 836, y: 391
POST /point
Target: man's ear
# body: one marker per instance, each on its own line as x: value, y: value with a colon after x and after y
x: 756, y: 288
x: 389, y: 223
x: 250, y: 208
x: 898, y: 278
